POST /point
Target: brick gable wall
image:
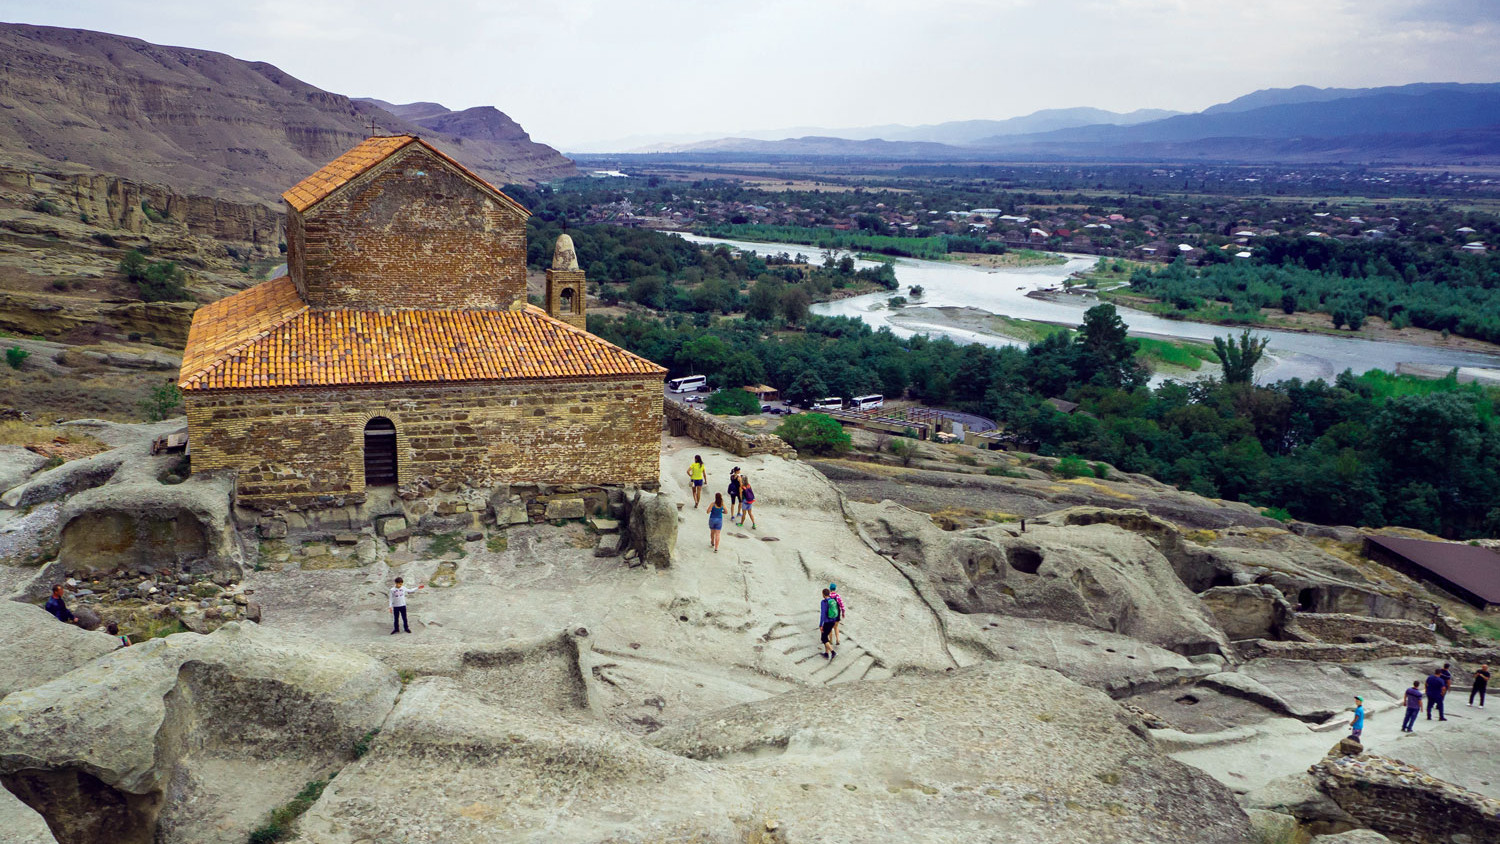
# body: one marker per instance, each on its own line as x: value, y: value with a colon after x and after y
x: 410, y: 234
x: 305, y: 446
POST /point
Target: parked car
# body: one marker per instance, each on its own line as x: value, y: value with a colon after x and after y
x: 705, y: 389
x: 693, y: 399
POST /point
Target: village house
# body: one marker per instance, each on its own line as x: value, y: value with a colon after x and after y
x: 399, y: 350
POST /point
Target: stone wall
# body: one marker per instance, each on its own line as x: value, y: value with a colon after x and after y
x: 1338, y: 628
x: 1402, y: 801
x: 306, y: 446
x: 1361, y: 652
x: 685, y: 421
x: 414, y: 234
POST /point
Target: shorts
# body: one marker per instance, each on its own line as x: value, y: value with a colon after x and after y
x: 716, y: 524
x: 827, y: 630
x: 734, y: 496
x: 697, y: 483
x: 747, y: 505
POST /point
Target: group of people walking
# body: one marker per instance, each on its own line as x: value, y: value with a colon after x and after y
x: 741, y: 499
x: 1434, y: 690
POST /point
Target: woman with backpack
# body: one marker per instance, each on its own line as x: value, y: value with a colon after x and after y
x: 747, y: 502
x: 734, y: 492
x: 828, y: 616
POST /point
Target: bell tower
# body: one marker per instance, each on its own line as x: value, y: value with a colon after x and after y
x: 567, y: 289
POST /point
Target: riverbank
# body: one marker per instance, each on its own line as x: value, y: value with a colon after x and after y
x: 1374, y: 328
x: 1164, y: 356
x: 1011, y: 259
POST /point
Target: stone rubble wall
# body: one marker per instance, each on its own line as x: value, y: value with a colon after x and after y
x: 685, y: 421
x: 305, y: 447
x: 1362, y: 652
x: 1401, y: 800
x: 1341, y: 628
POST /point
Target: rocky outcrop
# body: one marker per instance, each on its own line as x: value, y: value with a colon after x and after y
x: 16, y: 465
x: 651, y: 529
x: 1252, y: 611
x: 141, y: 524
x: 38, y: 648
x: 67, y: 479
x: 189, y: 738
x: 1098, y: 575
x: 21, y: 823
x: 1403, y: 801
x: 952, y: 757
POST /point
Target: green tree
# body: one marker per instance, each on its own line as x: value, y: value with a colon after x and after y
x: 742, y: 370
x: 163, y: 400
x: 806, y: 389
x: 794, y: 304
x: 15, y: 356
x: 765, y: 300
x: 156, y: 281
x: 732, y: 402
x: 815, y: 433
x: 1108, y: 351
x: 1239, y: 358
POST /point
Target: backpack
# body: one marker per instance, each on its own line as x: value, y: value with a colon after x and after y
x: 830, y: 609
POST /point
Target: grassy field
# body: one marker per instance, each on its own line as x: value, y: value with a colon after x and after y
x: 1182, y: 354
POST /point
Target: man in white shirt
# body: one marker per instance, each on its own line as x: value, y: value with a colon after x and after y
x: 398, y: 608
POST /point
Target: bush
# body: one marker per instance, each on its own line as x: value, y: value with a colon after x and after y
x: 732, y: 402
x: 15, y: 356
x: 279, y: 827
x: 1277, y: 513
x: 1004, y: 472
x: 162, y: 402
x: 157, y: 281
x: 904, y: 449
x: 814, y: 433
x: 1101, y: 471
x: 46, y: 206
x: 1071, y: 466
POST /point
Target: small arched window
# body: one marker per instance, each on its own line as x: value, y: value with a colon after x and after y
x: 565, y: 300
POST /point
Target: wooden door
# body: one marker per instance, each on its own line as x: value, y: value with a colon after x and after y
x: 380, y: 452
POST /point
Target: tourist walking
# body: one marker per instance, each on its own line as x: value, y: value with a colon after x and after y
x: 113, y: 629
x: 1481, y: 682
x: 1436, y: 687
x: 1358, y: 727
x: 398, y: 607
x: 734, y: 492
x: 1413, y: 707
x: 828, y: 616
x: 58, y: 607
x: 716, y: 521
x: 747, y: 502
x: 838, y: 626
x: 698, y: 474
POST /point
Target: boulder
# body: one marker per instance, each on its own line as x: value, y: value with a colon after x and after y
x: 652, y: 529
x: 951, y: 757
x: 1353, y: 836
x: 139, y: 524
x: 1298, y: 795
x: 67, y: 479
x: 1254, y: 611
x: 387, y: 525
x: 16, y: 465
x: 1098, y: 575
x: 1272, y: 826
x: 38, y: 648
x: 188, y: 738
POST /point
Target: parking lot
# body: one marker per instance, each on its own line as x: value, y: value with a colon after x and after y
x: 777, y: 408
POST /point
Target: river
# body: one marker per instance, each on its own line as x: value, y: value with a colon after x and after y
x: 1003, y: 291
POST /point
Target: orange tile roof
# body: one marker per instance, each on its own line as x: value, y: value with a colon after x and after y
x: 358, y: 161
x: 255, y: 339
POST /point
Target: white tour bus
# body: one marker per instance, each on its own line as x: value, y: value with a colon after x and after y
x: 869, y: 402
x: 829, y: 403
x: 690, y: 384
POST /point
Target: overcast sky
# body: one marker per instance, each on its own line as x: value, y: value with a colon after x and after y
x: 578, y: 72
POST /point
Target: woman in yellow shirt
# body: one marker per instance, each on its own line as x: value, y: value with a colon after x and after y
x: 698, y: 474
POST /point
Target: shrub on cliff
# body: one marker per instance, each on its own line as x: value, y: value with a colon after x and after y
x: 814, y: 433
x: 157, y: 281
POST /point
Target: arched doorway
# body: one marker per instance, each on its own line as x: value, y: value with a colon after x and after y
x: 380, y: 452
x: 565, y: 301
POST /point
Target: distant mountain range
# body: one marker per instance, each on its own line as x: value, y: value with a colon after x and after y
x: 1428, y: 122
x: 206, y: 122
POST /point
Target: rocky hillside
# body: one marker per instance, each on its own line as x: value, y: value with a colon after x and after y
x: 204, y: 122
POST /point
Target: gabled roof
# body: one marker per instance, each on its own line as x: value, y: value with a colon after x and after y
x: 267, y: 337
x: 1470, y: 567
x: 361, y: 159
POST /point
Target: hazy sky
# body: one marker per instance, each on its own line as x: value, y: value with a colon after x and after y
x: 577, y: 72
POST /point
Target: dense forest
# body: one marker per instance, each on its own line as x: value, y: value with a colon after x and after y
x: 1403, y: 283
x: 1366, y: 450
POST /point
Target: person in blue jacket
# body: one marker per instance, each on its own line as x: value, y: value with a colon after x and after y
x: 1437, y: 686
x: 1358, y: 726
x: 58, y: 607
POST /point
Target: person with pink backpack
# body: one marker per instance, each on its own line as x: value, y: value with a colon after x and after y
x: 833, y: 592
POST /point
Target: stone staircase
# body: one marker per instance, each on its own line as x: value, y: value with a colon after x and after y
x: 794, y: 643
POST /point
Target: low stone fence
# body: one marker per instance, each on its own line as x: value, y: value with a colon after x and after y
x: 685, y: 421
x: 1363, y: 652
x: 1341, y: 628
x: 1404, y: 802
